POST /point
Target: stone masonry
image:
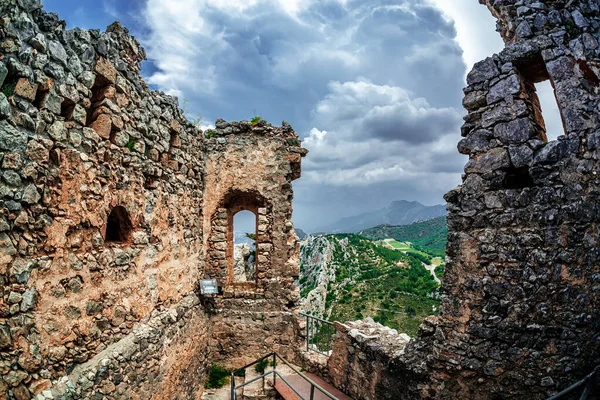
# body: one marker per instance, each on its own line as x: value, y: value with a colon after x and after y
x: 112, y: 208
x: 520, y: 315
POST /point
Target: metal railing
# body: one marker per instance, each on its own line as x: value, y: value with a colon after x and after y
x: 590, y: 387
x: 313, y: 385
x: 318, y: 334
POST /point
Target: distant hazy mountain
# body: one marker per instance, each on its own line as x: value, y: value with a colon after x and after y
x: 399, y: 212
x: 301, y: 234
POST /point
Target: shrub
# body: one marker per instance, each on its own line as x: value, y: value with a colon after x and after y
x: 260, y: 367
x: 217, y: 377
x: 209, y: 133
x: 255, y: 120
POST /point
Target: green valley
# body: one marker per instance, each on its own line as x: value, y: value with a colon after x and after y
x: 348, y: 277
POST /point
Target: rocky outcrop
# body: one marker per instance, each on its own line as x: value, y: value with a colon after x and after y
x: 244, y: 268
x: 316, y: 254
x: 109, y: 217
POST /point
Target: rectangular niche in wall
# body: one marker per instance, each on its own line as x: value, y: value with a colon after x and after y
x: 244, y: 246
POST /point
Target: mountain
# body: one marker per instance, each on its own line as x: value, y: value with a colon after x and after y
x: 429, y: 236
x: 347, y: 277
x: 301, y: 234
x: 399, y: 212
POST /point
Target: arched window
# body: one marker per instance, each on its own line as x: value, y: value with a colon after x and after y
x: 244, y: 246
x: 118, y: 225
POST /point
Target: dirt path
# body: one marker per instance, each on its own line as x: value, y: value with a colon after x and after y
x: 431, y: 269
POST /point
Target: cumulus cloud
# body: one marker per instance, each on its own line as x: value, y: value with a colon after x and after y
x: 372, y: 86
x: 381, y: 111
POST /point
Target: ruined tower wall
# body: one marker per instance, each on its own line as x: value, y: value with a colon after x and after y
x: 251, y: 168
x: 520, y: 309
x: 107, y: 196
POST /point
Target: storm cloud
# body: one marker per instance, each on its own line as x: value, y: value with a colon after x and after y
x: 372, y: 87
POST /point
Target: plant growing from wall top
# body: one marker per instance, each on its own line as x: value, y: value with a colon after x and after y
x: 255, y: 120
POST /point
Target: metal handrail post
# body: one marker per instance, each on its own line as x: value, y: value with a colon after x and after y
x: 317, y: 335
x: 274, y: 369
x: 312, y: 392
x: 307, y: 332
x: 232, y: 386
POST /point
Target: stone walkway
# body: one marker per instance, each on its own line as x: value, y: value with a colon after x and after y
x: 302, y: 385
x: 263, y: 389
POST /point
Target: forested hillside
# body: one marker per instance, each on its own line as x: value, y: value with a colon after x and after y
x: 347, y: 277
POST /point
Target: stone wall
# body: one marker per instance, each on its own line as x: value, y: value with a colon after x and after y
x: 108, y: 196
x: 251, y: 168
x: 520, y: 311
x: 368, y: 361
x: 521, y: 291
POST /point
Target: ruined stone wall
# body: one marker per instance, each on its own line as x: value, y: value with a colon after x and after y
x: 368, y: 361
x: 520, y: 309
x: 89, y: 309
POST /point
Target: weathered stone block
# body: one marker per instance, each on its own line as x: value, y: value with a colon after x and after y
x: 5, y: 337
x: 507, y: 87
x: 520, y: 156
x: 493, y: 160
x: 26, y: 89
x: 555, y: 151
x: 102, y: 125
x: 12, y: 139
x: 517, y: 131
x: 105, y: 72
x: 58, y: 131
x: 483, y: 71
x: 476, y: 142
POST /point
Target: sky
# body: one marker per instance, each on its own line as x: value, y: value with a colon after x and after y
x: 372, y: 87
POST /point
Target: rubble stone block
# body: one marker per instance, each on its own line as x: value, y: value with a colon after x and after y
x: 26, y: 89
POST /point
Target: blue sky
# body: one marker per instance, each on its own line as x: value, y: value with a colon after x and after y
x: 373, y: 87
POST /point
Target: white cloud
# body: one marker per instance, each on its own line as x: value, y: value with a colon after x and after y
x: 475, y: 28
x: 378, y: 133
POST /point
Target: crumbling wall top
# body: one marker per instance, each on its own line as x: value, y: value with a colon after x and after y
x: 524, y: 19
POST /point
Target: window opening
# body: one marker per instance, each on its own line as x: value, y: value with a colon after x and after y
x: 549, y: 109
x: 541, y: 93
x: 244, y: 246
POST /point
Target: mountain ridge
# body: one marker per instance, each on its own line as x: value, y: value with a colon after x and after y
x: 399, y: 212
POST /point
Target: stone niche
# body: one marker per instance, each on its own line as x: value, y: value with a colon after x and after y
x: 112, y: 208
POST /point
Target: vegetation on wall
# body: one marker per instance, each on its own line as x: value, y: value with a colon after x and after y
x: 217, y: 376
